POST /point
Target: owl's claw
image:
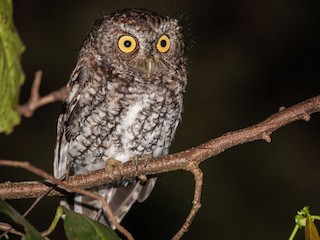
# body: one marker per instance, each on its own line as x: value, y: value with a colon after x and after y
x: 136, y: 159
x: 111, y: 165
x: 147, y: 158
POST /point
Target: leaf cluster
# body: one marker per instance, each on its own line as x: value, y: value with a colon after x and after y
x: 76, y: 226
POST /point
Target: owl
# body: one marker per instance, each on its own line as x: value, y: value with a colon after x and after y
x: 125, y: 102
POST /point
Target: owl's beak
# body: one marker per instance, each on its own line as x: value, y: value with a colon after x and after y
x: 149, y: 66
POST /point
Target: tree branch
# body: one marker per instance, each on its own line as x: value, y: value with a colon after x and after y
x: 35, y: 101
x: 65, y: 186
x: 188, y: 160
x: 196, y: 155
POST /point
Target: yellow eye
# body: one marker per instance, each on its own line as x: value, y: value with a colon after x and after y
x: 127, y: 44
x: 163, y: 44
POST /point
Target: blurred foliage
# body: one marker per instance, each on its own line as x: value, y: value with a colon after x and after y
x: 11, y: 74
x: 305, y: 220
x: 30, y: 232
x: 76, y: 226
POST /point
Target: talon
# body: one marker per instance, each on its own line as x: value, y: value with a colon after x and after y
x: 146, y: 158
x: 135, y: 161
x: 111, y: 165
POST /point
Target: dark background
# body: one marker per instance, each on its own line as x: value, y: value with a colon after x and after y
x: 249, y: 59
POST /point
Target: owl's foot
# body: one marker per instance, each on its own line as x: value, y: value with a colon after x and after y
x: 111, y: 165
x: 145, y: 158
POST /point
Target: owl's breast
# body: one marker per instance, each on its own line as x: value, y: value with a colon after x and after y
x: 146, y: 126
x: 137, y: 122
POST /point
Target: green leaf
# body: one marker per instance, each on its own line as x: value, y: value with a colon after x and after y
x: 11, y: 74
x: 31, y: 232
x: 78, y: 226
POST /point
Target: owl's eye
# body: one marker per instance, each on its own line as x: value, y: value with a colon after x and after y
x: 127, y: 44
x: 163, y: 44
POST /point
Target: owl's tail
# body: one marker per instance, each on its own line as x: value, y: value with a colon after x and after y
x: 120, y: 199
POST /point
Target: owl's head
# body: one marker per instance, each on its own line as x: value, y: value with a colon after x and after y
x: 138, y: 43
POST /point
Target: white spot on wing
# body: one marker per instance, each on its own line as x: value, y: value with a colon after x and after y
x: 74, y: 90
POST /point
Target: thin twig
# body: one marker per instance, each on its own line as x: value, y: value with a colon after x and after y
x: 28, y: 210
x: 63, y: 185
x: 36, y: 202
x: 35, y: 101
x: 196, y: 205
x: 5, y: 227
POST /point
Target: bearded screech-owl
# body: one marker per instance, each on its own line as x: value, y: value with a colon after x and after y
x: 125, y: 101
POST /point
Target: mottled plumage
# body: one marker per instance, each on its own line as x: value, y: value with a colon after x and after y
x: 125, y: 101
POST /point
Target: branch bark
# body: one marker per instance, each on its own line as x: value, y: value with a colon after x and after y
x: 5, y: 227
x: 181, y: 160
x: 35, y: 101
x: 196, y: 205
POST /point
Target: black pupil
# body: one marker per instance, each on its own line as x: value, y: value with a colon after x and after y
x: 163, y: 43
x: 127, y: 43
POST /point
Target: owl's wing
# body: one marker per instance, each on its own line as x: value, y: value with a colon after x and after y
x: 61, y: 162
x: 61, y: 165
